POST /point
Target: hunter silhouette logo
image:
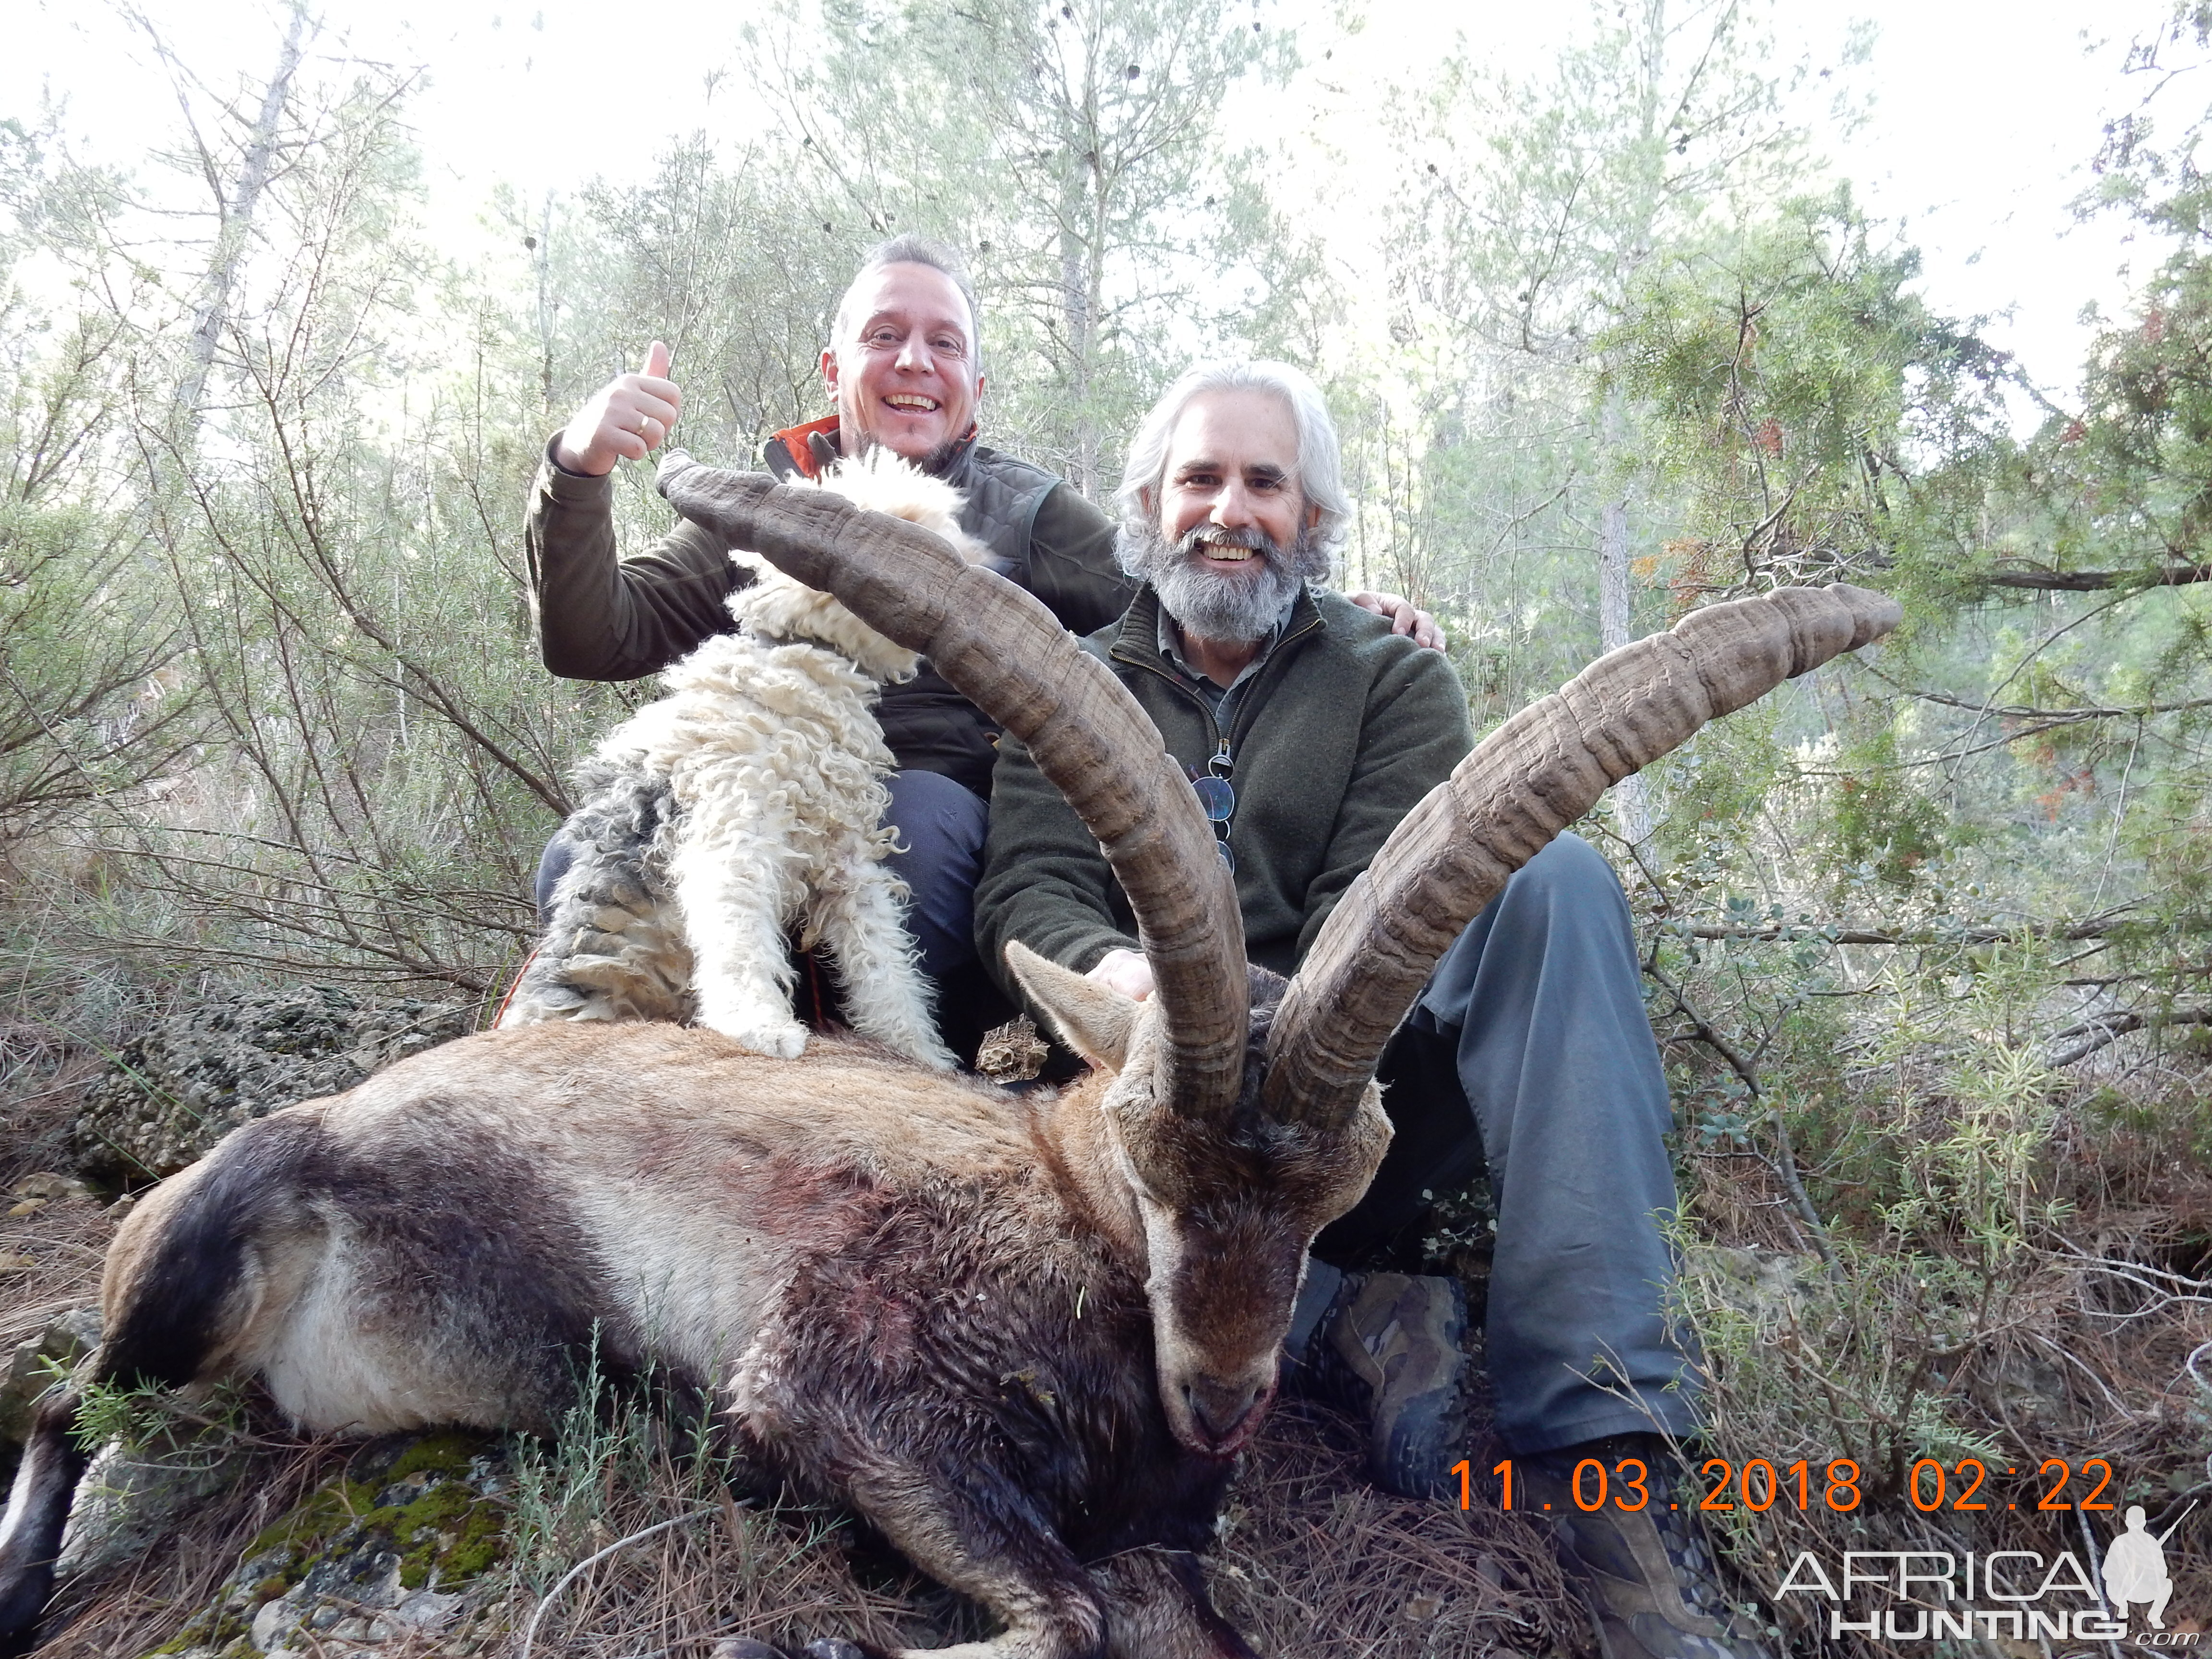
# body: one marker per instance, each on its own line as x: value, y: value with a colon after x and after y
x: 1937, y: 1596
x: 2135, y: 1567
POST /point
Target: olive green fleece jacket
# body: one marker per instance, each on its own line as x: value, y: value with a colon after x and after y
x: 1346, y: 727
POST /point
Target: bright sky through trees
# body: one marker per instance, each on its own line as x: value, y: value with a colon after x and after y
x: 1981, y: 116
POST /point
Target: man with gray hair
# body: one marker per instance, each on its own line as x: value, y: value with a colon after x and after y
x: 904, y: 370
x: 1309, y: 729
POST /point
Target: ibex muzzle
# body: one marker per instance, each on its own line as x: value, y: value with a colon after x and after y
x: 1020, y: 1336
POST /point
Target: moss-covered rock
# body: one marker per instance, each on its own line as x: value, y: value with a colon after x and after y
x: 387, y: 1550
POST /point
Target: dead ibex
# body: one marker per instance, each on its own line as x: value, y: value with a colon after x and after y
x: 747, y: 800
x: 1023, y: 1336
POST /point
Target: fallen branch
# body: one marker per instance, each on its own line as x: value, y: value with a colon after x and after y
x: 2107, y: 1029
x: 2014, y: 711
x: 2177, y: 574
x: 1788, y: 932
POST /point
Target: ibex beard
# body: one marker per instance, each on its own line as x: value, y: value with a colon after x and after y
x: 1022, y: 1336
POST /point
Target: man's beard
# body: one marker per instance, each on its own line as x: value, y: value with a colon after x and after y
x: 1215, y: 605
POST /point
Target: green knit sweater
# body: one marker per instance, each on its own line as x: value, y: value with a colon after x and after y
x: 1344, y: 729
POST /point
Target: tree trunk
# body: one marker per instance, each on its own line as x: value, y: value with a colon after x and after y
x: 544, y: 252
x: 1615, y: 616
x: 1631, y: 808
x: 234, y: 224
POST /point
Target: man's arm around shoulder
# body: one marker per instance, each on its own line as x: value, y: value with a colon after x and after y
x: 1071, y: 563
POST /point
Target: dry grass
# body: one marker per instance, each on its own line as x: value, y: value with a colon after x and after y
x: 50, y: 1262
x: 2071, y: 1322
x: 1315, y: 1563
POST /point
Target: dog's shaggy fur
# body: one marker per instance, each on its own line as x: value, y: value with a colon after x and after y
x: 747, y: 801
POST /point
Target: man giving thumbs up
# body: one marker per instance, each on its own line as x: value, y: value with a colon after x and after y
x: 628, y: 419
x: 904, y: 367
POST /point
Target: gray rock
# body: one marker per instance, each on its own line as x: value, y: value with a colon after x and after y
x: 130, y: 1500
x: 195, y: 1077
x: 31, y: 1367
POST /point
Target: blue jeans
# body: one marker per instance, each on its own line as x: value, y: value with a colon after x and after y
x: 1530, y: 1051
x: 941, y: 826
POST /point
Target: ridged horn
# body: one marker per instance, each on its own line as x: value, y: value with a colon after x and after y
x: 1008, y: 655
x: 1531, y: 779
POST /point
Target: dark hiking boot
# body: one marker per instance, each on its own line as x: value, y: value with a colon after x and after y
x: 1652, y: 1585
x: 1387, y: 1351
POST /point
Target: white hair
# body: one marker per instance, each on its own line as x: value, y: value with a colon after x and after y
x: 1321, y: 459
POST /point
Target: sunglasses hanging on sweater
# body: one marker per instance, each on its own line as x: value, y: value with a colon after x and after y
x: 1216, y: 795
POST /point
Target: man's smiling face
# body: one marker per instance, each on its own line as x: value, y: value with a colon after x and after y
x: 1232, y: 466
x: 904, y: 368
x: 1230, y: 546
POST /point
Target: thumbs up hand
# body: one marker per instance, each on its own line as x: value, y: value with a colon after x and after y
x: 629, y: 416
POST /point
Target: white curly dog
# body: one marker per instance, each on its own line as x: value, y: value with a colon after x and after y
x: 746, y: 803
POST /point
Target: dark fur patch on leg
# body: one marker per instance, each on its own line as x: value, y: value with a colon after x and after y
x: 38, y: 1509
x: 470, y: 1245
x: 458, y: 1251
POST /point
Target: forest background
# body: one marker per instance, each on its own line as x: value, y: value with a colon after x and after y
x: 1609, y: 335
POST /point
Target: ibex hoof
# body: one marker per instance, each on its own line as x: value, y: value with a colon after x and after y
x: 744, y: 1647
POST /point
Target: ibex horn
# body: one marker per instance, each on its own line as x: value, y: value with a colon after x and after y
x: 1531, y: 779
x: 1005, y: 652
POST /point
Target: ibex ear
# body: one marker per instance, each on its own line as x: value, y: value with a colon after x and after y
x: 1097, y: 1021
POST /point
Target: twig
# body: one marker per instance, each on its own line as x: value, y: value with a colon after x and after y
x: 2023, y: 712
x: 2177, y: 574
x: 2202, y: 1350
x: 2089, y: 1549
x: 2111, y: 924
x: 530, y: 1630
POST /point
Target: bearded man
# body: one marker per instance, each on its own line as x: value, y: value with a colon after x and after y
x: 1310, y: 730
x: 904, y: 370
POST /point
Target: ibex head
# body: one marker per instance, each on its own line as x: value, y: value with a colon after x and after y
x: 1242, y: 1124
x: 1224, y: 1205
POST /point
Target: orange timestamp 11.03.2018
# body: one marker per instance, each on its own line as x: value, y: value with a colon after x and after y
x: 1759, y: 1484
